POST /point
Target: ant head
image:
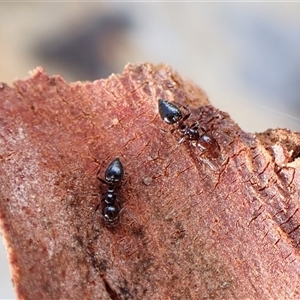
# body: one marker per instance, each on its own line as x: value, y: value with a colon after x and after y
x: 169, y: 112
x: 115, y: 171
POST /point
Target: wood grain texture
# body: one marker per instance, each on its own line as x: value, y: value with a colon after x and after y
x: 194, y: 226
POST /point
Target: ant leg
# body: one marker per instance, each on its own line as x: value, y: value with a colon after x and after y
x: 163, y: 130
x: 130, y: 215
x: 94, y: 216
x: 97, y: 207
x: 114, y: 198
x: 187, y: 115
x: 182, y: 140
x: 96, y: 195
x: 102, y: 180
x: 195, y: 126
x: 98, y: 173
x: 99, y: 178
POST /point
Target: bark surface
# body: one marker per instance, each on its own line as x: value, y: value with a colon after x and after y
x: 196, y: 225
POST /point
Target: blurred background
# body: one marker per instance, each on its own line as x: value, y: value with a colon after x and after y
x: 245, y: 56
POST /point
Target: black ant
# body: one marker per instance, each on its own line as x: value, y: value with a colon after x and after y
x: 172, y: 115
x: 112, y: 209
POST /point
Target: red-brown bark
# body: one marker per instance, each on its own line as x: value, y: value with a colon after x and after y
x: 194, y: 226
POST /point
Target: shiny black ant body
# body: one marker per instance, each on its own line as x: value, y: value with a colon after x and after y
x: 111, y: 209
x: 172, y: 115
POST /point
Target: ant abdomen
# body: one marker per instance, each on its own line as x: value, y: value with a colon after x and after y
x: 111, y: 215
x: 206, y: 143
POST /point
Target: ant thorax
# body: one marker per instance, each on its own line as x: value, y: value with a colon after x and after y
x: 188, y: 132
x: 110, y: 197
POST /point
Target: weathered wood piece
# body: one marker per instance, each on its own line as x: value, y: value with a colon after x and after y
x: 195, y: 225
